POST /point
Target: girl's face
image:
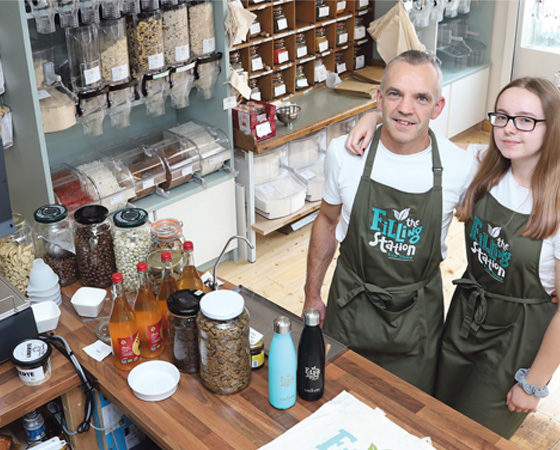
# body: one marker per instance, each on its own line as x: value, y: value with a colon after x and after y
x: 521, y: 147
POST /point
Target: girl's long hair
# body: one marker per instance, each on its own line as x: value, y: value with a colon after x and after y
x: 545, y: 182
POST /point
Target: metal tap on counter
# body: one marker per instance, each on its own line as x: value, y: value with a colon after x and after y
x: 214, y: 281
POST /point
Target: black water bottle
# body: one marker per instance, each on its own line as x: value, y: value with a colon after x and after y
x: 311, y: 358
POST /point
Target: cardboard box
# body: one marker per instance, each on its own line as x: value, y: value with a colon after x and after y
x: 260, y: 125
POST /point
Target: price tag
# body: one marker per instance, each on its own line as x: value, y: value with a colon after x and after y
x: 320, y: 73
x: 256, y: 96
x: 323, y: 11
x: 92, y: 75
x: 281, y: 24
x: 119, y: 73
x: 301, y: 52
x: 7, y: 130
x: 116, y: 199
x: 360, y: 61
x: 263, y: 129
x: 283, y: 57
x: 262, y: 118
x: 323, y: 46
x: 208, y: 45
x: 254, y: 336
x: 42, y: 94
x: 255, y: 28
x: 362, y: 3
x: 185, y: 68
x: 279, y: 90
x: 148, y: 184
x: 266, y: 188
x: 340, y: 6
x: 257, y: 64
x: 186, y: 171
x: 229, y: 102
x: 342, y: 38
x: 307, y: 174
x: 155, y: 61
x: 182, y: 53
x: 302, y: 82
x: 359, y: 32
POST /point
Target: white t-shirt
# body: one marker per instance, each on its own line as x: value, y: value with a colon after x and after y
x: 408, y: 173
x: 517, y: 198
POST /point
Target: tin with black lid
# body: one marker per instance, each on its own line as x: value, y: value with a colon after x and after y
x: 183, y: 306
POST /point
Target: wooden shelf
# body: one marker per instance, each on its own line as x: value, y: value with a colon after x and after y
x: 265, y: 226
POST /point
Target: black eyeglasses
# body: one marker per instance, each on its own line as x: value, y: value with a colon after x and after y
x: 522, y: 123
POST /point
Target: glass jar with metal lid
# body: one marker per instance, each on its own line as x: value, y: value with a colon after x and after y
x: 321, y: 41
x: 94, y: 245
x: 301, y: 78
x: 223, y: 342
x: 359, y: 28
x: 301, y: 45
x: 183, y: 307
x: 235, y: 62
x: 131, y: 242
x: 341, y: 34
x: 322, y: 9
x: 255, y: 90
x: 280, y: 21
x: 54, y: 241
x: 340, y: 63
x: 359, y: 57
x: 256, y: 59
x: 17, y: 254
x: 280, y: 52
x: 278, y: 84
x: 167, y: 234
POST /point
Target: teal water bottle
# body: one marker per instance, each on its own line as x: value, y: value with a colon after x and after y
x: 282, y: 364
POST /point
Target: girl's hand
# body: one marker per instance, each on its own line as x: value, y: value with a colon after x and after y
x: 360, y: 136
x: 519, y: 401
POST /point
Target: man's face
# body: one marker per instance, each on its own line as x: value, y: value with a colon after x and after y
x: 408, y: 101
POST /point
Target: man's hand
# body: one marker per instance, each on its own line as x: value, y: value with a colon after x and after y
x: 518, y: 400
x: 360, y: 136
x: 317, y: 303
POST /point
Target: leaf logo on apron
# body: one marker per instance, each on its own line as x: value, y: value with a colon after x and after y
x: 493, y: 251
x: 397, y: 236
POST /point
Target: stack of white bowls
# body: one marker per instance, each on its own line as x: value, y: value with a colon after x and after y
x: 43, y: 283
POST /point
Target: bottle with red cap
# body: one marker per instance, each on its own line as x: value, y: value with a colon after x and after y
x: 123, y: 329
x: 167, y: 286
x: 148, y: 316
x: 190, y: 279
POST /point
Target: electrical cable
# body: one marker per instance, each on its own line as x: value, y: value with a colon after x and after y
x: 62, y: 346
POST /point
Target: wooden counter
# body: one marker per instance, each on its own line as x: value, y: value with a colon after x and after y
x: 196, y: 418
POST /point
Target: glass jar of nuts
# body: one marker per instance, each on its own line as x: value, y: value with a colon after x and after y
x: 223, y: 342
x: 17, y: 254
x: 167, y: 234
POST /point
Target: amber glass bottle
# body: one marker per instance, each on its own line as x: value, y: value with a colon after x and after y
x: 148, y: 316
x: 123, y: 329
x: 190, y: 279
x: 166, y: 288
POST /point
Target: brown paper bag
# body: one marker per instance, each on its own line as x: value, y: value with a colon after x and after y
x: 394, y: 33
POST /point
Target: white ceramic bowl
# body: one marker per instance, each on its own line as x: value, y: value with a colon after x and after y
x: 57, y: 298
x: 88, y: 301
x: 46, y: 315
x: 153, y: 381
x: 45, y: 292
x: 41, y: 276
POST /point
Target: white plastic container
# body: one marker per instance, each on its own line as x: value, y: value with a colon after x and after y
x: 280, y: 197
x: 306, y: 150
x: 32, y: 358
x: 312, y: 177
x: 88, y: 301
x: 267, y: 166
x: 46, y: 315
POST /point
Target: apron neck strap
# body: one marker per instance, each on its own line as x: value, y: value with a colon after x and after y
x: 437, y: 168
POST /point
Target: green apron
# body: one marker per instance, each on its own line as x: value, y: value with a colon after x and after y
x: 497, y: 318
x: 386, y: 301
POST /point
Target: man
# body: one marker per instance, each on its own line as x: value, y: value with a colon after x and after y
x: 390, y: 211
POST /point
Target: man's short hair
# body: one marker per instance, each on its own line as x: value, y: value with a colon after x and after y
x: 417, y: 58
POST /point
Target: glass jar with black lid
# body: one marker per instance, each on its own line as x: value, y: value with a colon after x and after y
x: 280, y: 20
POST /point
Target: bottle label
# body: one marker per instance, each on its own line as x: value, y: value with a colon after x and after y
x: 36, y: 434
x: 257, y: 360
x: 154, y: 336
x: 313, y: 373
x: 128, y: 350
x: 287, y: 381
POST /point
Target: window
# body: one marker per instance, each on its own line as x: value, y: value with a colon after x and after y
x: 541, y: 25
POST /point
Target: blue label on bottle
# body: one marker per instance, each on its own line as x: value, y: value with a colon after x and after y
x: 36, y: 434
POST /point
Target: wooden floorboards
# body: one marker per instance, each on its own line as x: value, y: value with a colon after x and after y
x: 279, y: 275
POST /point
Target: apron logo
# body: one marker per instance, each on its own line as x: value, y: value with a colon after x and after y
x: 492, y: 250
x: 396, y: 237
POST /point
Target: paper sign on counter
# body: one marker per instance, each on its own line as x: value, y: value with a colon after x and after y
x: 98, y: 350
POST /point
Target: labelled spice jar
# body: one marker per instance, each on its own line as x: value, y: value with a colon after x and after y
x: 183, y: 307
x: 94, y: 245
x: 255, y: 90
x: 223, y: 342
x: 278, y: 84
x: 131, y: 243
x: 256, y: 60
x: 301, y: 79
x: 32, y: 358
x: 322, y: 9
x: 321, y: 41
x: 341, y: 34
x: 359, y: 57
x: 340, y: 63
x: 280, y: 52
x: 17, y: 254
x: 54, y: 241
x: 280, y: 20
x: 235, y: 62
x: 176, y: 34
x: 301, y: 46
x: 359, y: 29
